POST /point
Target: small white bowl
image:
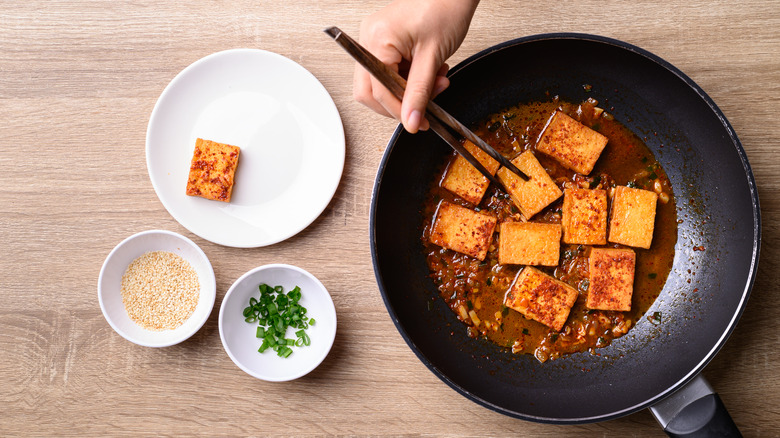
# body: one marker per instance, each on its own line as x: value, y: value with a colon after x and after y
x: 239, y: 337
x: 110, y: 281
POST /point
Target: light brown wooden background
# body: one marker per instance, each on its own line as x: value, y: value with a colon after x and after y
x: 78, y: 81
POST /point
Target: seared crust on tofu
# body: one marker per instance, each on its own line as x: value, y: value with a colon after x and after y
x: 611, y: 279
x: 541, y: 297
x: 633, y: 217
x: 529, y: 243
x: 212, y: 170
x: 463, y: 230
x: 573, y: 144
x: 464, y: 180
x: 584, y: 218
x: 533, y: 195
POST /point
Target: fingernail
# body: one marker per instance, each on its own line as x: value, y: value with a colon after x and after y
x: 413, y: 121
x: 439, y: 89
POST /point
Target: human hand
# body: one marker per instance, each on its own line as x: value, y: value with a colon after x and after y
x: 414, y: 38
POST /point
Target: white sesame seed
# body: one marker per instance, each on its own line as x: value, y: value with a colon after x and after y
x: 160, y: 290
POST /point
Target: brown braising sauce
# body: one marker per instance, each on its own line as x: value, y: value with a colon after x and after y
x: 468, y: 284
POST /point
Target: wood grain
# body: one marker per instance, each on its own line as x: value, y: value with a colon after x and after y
x: 78, y: 81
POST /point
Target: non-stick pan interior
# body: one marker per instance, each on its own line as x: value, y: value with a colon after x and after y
x: 716, y: 251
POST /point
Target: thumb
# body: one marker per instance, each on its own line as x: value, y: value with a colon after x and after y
x: 419, y: 88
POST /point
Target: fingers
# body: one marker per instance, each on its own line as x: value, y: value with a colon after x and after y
x: 363, y: 91
x: 413, y: 37
x: 442, y: 81
x: 420, y: 87
x: 381, y: 42
x: 441, y: 84
x: 374, y: 95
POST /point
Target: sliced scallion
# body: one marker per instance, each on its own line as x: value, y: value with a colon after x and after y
x: 274, y: 311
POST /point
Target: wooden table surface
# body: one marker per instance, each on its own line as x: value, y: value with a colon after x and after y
x: 78, y: 81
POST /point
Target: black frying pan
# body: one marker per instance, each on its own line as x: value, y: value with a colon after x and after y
x: 717, y: 202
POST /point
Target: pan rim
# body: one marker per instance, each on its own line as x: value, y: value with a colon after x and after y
x: 745, y: 293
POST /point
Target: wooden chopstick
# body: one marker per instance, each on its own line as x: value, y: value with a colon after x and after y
x: 438, y: 118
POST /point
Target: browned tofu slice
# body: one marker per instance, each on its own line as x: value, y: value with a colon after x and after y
x: 541, y: 297
x: 633, y: 217
x: 212, y: 170
x: 465, y: 180
x: 463, y: 230
x: 611, y: 279
x: 528, y: 243
x: 584, y: 217
x: 533, y: 195
x: 573, y: 144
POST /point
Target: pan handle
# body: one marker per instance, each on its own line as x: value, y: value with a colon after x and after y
x: 695, y: 410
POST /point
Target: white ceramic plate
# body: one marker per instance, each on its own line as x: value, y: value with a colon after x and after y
x: 110, y: 285
x: 289, y: 132
x: 239, y: 337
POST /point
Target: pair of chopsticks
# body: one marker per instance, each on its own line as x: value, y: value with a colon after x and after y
x: 437, y: 117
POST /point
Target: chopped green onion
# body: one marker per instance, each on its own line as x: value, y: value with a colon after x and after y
x: 274, y: 311
x: 263, y: 347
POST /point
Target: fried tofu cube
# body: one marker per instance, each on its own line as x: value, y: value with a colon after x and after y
x: 213, y: 170
x: 571, y: 143
x: 584, y: 218
x: 529, y: 243
x: 611, y: 279
x: 541, y: 297
x: 633, y: 217
x: 533, y: 195
x: 463, y: 230
x: 465, y: 180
